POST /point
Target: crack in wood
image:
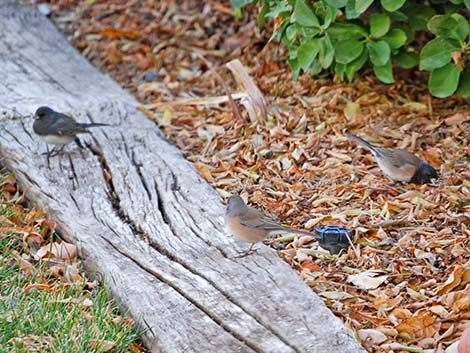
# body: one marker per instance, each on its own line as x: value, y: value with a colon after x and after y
x: 161, y: 208
x: 214, y: 284
x: 75, y: 202
x: 138, y: 167
x: 15, y: 138
x: 185, y: 295
x: 137, y: 229
x: 25, y: 129
x: 75, y: 181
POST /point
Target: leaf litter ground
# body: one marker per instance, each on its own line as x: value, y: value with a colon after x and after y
x: 405, y: 285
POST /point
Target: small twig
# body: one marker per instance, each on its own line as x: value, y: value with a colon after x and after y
x: 233, y: 105
x: 357, y: 252
x: 198, y: 101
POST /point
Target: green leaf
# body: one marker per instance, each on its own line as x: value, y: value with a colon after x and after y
x: 291, y: 33
x: 327, y: 14
x: 282, y: 9
x: 409, y: 35
x: 444, y: 81
x: 347, y: 50
x: 436, y: 53
x: 467, y: 4
x: 379, y: 52
x: 362, y: 5
x: 464, y: 86
x: 379, y: 24
x: 355, y: 65
x: 294, y: 65
x: 384, y: 73
x: 398, y: 16
x: 340, y: 70
x: 451, y: 8
x: 462, y: 29
x: 444, y: 26
x: 307, y: 52
x: 344, y: 31
x: 419, y: 16
x: 308, y: 32
x: 238, y: 4
x: 303, y: 15
x: 407, y: 60
x: 351, y: 12
x: 316, y: 68
x: 337, y: 3
x: 392, y: 5
x: 261, y: 21
x: 395, y: 38
x: 327, y: 52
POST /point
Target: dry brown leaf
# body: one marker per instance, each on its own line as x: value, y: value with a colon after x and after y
x: 119, y: 33
x: 40, y: 286
x: 136, y: 348
x: 371, y: 337
x: 419, y: 326
x: 367, y: 280
x: 101, y: 345
x: 63, y: 250
x: 457, y: 119
x: 452, y: 282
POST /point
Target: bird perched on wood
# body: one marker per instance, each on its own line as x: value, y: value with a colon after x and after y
x: 58, y: 129
x: 399, y: 164
x: 251, y: 225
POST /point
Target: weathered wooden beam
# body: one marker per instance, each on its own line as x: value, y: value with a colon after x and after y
x: 141, y: 215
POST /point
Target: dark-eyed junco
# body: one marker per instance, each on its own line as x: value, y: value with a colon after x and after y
x: 399, y: 164
x: 58, y: 129
x: 252, y: 225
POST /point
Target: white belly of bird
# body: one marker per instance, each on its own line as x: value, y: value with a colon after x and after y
x: 56, y: 139
x: 403, y: 173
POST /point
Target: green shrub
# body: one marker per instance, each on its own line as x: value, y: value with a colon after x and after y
x: 344, y: 36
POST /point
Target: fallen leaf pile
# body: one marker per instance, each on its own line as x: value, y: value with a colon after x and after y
x: 31, y: 229
x: 404, y: 286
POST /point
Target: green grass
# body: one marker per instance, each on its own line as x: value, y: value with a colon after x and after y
x: 63, y: 316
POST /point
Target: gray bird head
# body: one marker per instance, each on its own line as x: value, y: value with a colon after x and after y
x: 424, y: 174
x: 43, y: 112
x: 235, y: 205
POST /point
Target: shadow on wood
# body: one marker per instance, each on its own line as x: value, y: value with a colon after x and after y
x: 142, y: 216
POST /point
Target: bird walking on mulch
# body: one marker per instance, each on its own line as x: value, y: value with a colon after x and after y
x: 399, y: 164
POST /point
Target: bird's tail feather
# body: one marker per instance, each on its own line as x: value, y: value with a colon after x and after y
x: 362, y: 142
x: 295, y: 231
x: 87, y: 125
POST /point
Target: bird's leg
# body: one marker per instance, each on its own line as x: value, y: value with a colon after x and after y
x: 48, y: 156
x: 55, y: 151
x: 47, y: 153
x: 248, y: 252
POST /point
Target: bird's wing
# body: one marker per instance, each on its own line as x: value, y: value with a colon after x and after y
x: 256, y: 219
x: 65, y: 125
x: 399, y: 157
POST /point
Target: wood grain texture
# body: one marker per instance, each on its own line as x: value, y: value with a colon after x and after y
x: 140, y: 214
